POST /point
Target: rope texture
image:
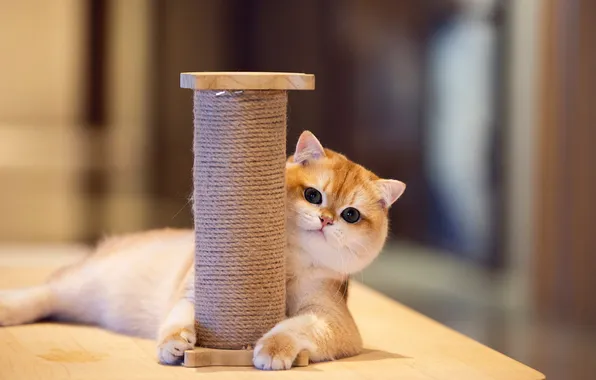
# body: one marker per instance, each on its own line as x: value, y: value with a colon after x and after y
x: 239, y: 209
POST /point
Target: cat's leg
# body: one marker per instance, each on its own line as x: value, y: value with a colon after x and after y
x: 54, y: 298
x: 25, y: 305
x: 327, y: 332
x: 177, y: 332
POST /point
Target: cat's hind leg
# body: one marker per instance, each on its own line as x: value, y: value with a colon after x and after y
x: 26, y: 305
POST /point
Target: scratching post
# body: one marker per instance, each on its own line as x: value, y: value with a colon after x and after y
x: 239, y: 197
x: 239, y: 210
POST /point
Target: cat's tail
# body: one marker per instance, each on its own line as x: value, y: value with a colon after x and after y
x: 19, y: 306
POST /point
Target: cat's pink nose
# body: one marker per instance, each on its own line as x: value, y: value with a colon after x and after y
x: 325, y: 220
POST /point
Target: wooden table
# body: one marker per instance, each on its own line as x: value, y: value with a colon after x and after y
x: 400, y: 344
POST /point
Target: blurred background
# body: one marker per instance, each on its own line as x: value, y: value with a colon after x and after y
x: 485, y: 108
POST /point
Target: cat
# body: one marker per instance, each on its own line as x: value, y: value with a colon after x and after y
x: 142, y: 284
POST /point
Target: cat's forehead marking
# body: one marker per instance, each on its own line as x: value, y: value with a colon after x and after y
x: 352, y: 186
x: 360, y: 197
x: 324, y: 180
x: 353, y: 197
x: 341, y: 177
x: 342, y: 182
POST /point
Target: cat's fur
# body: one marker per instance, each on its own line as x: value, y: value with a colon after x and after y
x: 141, y: 284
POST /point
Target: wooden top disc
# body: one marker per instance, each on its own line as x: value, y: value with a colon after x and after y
x: 247, y: 81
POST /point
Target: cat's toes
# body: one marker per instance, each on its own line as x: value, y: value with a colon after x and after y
x: 275, y: 352
x: 9, y: 311
x: 5, y: 315
x: 170, y: 349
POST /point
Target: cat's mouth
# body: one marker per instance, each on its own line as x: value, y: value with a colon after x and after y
x: 318, y: 232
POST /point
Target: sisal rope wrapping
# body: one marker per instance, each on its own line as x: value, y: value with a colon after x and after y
x: 239, y: 211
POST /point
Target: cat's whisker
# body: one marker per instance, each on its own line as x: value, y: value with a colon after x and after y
x: 342, y: 270
x: 345, y: 290
x: 364, y: 248
x: 182, y: 208
x: 353, y: 253
x: 337, y: 291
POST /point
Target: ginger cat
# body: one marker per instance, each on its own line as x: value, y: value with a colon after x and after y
x: 142, y: 284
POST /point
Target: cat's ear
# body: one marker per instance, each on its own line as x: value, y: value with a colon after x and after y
x: 308, y: 148
x: 391, y: 190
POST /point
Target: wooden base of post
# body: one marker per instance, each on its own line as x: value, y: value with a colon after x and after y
x: 208, y: 357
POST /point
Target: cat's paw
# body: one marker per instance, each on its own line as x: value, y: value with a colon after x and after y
x: 6, y: 314
x: 170, y: 349
x: 13, y: 311
x: 275, y: 352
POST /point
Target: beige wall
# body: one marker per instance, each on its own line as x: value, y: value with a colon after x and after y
x: 127, y: 205
x: 44, y: 149
x: 40, y: 42
x: 40, y: 103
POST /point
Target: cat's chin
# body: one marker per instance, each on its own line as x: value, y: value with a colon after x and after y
x: 321, y: 252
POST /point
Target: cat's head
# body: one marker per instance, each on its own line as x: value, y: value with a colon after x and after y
x: 337, y: 210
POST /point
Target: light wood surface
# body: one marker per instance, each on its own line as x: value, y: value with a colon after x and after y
x: 399, y: 344
x: 247, y: 81
x: 208, y: 357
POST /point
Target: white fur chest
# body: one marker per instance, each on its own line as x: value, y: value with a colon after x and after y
x: 305, y: 279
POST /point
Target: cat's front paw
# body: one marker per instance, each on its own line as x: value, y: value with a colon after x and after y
x: 170, y: 349
x: 275, y: 352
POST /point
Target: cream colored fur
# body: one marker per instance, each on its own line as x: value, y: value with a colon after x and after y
x: 142, y: 284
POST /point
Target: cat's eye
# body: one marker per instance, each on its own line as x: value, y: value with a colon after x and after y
x: 313, y: 196
x: 350, y: 215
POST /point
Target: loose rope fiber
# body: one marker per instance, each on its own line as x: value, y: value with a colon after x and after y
x: 239, y: 212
